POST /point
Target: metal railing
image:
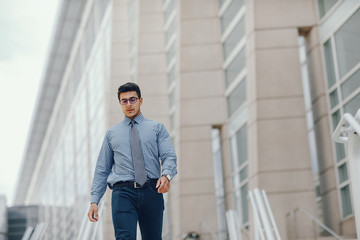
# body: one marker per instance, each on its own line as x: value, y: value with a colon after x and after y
x: 291, y: 217
x: 265, y: 225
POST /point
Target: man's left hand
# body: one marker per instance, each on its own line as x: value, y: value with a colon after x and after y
x: 163, y: 184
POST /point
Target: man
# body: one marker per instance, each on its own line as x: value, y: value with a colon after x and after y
x: 129, y: 164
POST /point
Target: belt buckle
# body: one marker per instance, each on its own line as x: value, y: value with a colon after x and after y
x: 136, y: 185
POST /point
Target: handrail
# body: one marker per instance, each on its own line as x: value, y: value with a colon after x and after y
x: 354, y: 126
x: 323, y: 226
x: 353, y: 146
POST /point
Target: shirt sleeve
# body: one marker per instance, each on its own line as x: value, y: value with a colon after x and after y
x: 102, y: 170
x: 166, y: 152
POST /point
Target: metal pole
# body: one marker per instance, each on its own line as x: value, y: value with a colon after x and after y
x: 263, y: 214
x: 353, y: 144
x: 258, y: 229
x: 354, y: 166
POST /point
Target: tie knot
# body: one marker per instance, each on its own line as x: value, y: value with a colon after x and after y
x: 132, y: 122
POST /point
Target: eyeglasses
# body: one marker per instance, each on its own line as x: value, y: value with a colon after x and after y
x: 125, y: 101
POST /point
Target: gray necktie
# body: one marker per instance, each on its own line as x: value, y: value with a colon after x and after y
x: 137, y: 157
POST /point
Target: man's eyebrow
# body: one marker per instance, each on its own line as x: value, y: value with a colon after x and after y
x: 127, y: 98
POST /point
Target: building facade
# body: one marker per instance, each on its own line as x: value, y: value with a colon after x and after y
x: 249, y: 90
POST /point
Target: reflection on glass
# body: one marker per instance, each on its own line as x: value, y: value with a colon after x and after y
x: 340, y: 151
x: 325, y: 6
x: 235, y: 67
x: 237, y: 97
x: 230, y: 13
x: 241, y: 142
x: 347, y: 40
x: 243, y: 174
x: 346, y: 201
x: 353, y: 105
x: 329, y: 60
x: 234, y: 38
x: 343, y: 174
x: 334, y: 100
x: 336, y: 118
x: 244, y: 203
x: 351, y: 84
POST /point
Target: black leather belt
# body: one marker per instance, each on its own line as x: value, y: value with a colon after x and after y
x: 133, y: 184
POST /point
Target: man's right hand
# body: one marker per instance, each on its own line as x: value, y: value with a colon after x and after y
x: 93, y: 212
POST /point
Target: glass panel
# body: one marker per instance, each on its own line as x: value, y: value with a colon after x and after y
x: 353, y: 105
x: 234, y: 38
x: 346, y: 201
x: 237, y: 97
x: 334, y: 100
x: 325, y: 6
x: 351, y: 84
x: 171, y: 76
x: 336, y: 119
x: 244, y: 204
x: 343, y: 174
x: 171, y: 53
x: 241, y: 143
x: 170, y: 32
x: 169, y: 10
x: 329, y: 60
x: 243, y: 174
x: 171, y: 99
x: 221, y: 3
x: 340, y: 151
x: 347, y: 44
x: 230, y: 13
x: 235, y: 67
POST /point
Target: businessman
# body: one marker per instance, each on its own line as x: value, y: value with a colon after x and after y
x: 137, y: 161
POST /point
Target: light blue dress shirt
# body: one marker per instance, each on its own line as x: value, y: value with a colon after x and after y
x: 114, y: 163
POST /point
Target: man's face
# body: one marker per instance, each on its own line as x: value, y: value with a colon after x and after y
x: 131, y: 110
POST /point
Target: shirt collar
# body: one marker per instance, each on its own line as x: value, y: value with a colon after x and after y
x: 138, y: 119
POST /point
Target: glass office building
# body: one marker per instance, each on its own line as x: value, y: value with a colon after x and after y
x: 250, y: 92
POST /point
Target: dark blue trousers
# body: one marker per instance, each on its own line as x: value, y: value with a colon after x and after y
x: 132, y: 205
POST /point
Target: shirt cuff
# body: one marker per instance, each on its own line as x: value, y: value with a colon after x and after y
x: 95, y: 199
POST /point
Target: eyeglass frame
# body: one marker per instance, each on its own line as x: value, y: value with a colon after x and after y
x: 129, y: 100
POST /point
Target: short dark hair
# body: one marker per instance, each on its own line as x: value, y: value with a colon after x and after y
x: 128, y: 87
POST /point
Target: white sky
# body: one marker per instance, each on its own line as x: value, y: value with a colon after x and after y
x: 26, y: 27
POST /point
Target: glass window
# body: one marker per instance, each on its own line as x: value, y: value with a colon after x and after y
x: 336, y: 118
x: 340, y: 151
x: 346, y: 201
x: 243, y: 173
x: 235, y: 67
x: 325, y: 6
x: 347, y: 44
x: 329, y: 60
x: 244, y: 204
x: 171, y: 99
x: 237, y: 97
x: 170, y: 32
x: 234, y: 38
x: 334, y: 100
x: 171, y: 53
x: 171, y: 76
x: 343, y: 174
x: 351, y: 84
x: 241, y: 142
x: 221, y: 3
x: 353, y: 105
x: 169, y: 10
x: 230, y: 13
